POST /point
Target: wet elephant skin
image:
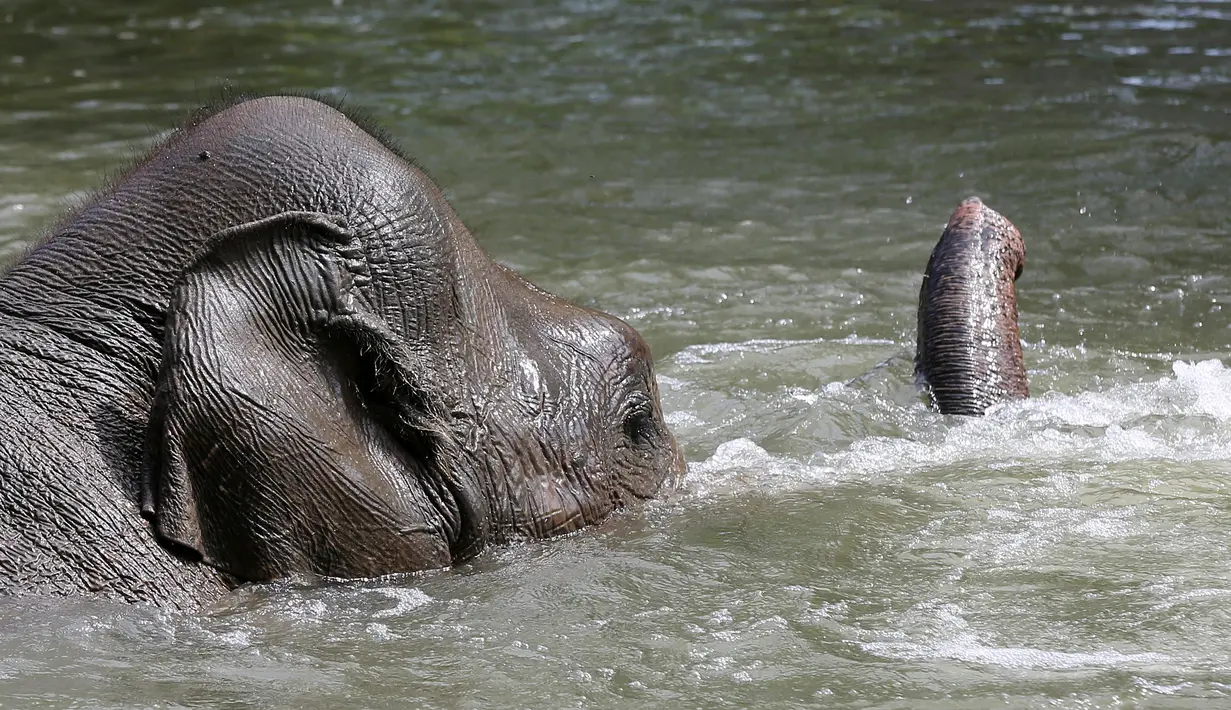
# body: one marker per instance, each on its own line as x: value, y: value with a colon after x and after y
x: 969, y: 353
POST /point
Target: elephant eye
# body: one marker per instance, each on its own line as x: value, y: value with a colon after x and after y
x: 639, y: 424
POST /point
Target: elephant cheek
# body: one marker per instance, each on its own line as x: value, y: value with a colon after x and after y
x: 645, y: 476
x: 560, y: 510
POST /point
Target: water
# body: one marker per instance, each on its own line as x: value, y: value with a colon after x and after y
x: 756, y: 187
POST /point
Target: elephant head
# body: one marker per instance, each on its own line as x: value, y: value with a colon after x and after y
x: 349, y: 386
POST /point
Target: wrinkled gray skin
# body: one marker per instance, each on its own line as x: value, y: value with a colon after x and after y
x: 969, y: 354
x: 271, y: 348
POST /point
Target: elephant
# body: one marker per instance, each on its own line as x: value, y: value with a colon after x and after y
x: 968, y: 355
x: 270, y: 349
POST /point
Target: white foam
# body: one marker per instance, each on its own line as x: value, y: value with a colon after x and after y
x: 408, y: 599
x: 739, y: 462
x: 1180, y: 418
x: 969, y: 650
x: 948, y: 635
x: 1066, y: 443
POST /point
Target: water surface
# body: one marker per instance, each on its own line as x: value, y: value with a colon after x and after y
x: 756, y: 187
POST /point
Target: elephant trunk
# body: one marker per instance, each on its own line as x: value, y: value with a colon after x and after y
x: 969, y: 351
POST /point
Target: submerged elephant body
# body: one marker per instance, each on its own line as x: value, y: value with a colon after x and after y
x: 272, y: 348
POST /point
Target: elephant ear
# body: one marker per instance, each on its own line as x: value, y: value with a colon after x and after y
x: 290, y: 432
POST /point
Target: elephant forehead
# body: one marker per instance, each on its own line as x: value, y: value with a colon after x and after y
x: 584, y: 359
x: 595, y: 341
x: 559, y: 333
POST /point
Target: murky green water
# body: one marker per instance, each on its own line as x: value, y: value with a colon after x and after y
x: 756, y: 187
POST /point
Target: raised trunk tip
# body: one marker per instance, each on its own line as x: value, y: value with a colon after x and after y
x: 969, y: 352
